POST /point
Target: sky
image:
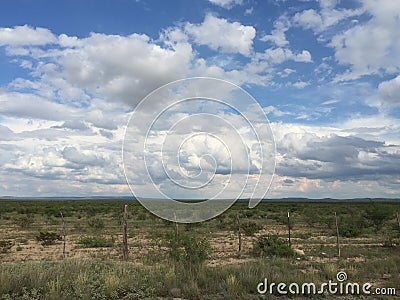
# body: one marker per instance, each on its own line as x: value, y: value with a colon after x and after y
x: 325, y: 73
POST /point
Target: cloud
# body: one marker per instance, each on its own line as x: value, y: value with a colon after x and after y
x: 136, y: 67
x: 324, y: 19
x: 280, y: 55
x: 221, y: 35
x: 277, y: 35
x: 354, y: 48
x: 333, y: 157
x: 26, y: 36
x: 228, y: 4
x: 80, y: 159
x: 84, y: 67
x: 300, y: 84
x: 5, y: 133
x: 249, y: 11
x: 275, y: 111
x: 32, y: 106
x: 74, y: 125
x: 288, y: 181
x: 65, y: 122
x: 329, y: 102
x: 389, y: 91
x: 328, y: 3
x: 308, y: 19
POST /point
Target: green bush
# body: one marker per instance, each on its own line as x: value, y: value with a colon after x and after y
x: 225, y: 222
x: 95, y: 242
x: 96, y: 223
x: 24, y: 221
x: 5, y: 246
x: 271, y: 245
x: 250, y: 228
x: 352, y: 224
x: 188, y: 249
x: 378, y: 214
x: 349, y: 229
x: 47, y: 238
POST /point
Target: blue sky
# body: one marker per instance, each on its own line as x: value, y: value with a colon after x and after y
x: 326, y: 73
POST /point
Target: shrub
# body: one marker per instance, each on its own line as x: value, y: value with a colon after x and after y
x: 225, y: 222
x: 190, y: 250
x: 23, y: 241
x: 352, y: 224
x: 96, y: 223
x: 5, y: 246
x: 349, y: 229
x: 250, y: 228
x: 389, y: 242
x: 24, y: 221
x: 271, y: 245
x: 95, y: 242
x: 47, y: 238
x: 378, y: 214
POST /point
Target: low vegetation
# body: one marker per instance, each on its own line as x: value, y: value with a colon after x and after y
x: 5, y: 246
x: 47, y: 238
x: 271, y: 245
x: 95, y: 242
x: 250, y: 228
x: 197, y: 261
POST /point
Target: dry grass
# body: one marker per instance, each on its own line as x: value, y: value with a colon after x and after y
x: 31, y: 270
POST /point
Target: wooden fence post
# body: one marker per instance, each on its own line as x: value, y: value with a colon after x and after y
x: 176, y: 228
x: 239, y: 235
x: 125, y: 234
x: 398, y: 220
x: 64, y: 235
x: 337, y: 236
x: 288, y: 219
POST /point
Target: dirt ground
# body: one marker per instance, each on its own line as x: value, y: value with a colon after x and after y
x: 224, y: 246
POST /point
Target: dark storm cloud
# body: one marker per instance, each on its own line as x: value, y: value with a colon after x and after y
x: 338, y: 158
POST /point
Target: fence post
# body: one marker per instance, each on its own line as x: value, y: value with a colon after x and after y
x: 398, y: 220
x: 64, y: 235
x: 176, y: 228
x: 125, y: 234
x: 288, y: 220
x: 337, y: 236
x: 239, y: 235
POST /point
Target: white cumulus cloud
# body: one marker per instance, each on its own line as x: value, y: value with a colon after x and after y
x: 372, y: 47
x: 221, y: 35
x: 26, y: 35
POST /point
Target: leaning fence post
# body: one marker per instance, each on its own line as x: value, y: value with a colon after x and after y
x: 288, y: 220
x: 64, y: 235
x: 337, y: 236
x: 125, y: 234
